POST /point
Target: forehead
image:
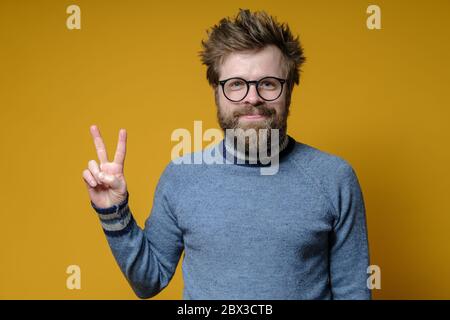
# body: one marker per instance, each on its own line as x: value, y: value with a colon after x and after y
x: 253, y: 64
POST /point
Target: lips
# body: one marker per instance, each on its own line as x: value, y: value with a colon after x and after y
x: 252, y: 116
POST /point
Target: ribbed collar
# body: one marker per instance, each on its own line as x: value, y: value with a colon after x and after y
x: 231, y: 156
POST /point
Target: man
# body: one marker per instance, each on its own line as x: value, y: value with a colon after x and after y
x: 297, y: 234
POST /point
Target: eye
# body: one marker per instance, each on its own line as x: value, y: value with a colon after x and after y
x: 268, y: 84
x: 236, y: 84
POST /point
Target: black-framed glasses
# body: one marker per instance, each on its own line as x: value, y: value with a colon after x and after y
x: 268, y: 88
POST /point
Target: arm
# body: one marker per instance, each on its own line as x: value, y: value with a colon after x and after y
x: 349, y: 251
x: 148, y: 258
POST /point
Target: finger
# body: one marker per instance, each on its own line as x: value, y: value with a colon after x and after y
x: 99, y: 145
x: 109, y: 180
x: 95, y: 170
x: 121, y: 150
x: 89, y: 179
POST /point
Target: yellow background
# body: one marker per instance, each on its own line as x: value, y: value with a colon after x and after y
x: 378, y: 98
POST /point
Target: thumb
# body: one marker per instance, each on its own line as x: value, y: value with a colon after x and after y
x: 109, y: 179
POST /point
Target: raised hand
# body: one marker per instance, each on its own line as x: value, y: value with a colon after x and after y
x: 105, y: 182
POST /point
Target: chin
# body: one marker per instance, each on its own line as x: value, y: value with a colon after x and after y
x: 253, y: 124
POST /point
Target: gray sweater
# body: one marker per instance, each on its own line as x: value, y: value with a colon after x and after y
x: 297, y: 234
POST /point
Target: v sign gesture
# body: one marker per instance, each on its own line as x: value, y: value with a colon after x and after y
x: 106, y: 183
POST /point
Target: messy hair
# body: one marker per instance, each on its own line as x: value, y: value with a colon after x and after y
x: 250, y: 31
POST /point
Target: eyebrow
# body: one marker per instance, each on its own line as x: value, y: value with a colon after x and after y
x: 246, y: 78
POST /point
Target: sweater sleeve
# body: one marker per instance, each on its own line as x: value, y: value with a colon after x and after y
x: 147, y: 257
x: 349, y: 251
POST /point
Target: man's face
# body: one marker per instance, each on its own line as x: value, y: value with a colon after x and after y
x: 253, y: 111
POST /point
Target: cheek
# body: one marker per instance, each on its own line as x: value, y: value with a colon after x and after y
x: 226, y: 107
x: 279, y: 106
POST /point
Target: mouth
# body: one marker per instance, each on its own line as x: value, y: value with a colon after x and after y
x: 252, y: 117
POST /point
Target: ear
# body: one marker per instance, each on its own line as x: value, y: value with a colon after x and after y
x: 215, y: 89
x: 216, y: 94
x: 288, y: 102
x: 289, y: 90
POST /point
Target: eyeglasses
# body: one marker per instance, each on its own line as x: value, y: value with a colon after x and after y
x: 268, y: 88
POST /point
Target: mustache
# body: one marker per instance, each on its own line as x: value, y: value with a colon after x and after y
x: 250, y: 111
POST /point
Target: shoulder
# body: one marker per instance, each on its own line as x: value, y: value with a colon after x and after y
x: 183, y: 169
x: 331, y: 175
x: 320, y: 163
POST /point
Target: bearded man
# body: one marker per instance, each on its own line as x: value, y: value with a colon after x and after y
x: 298, y: 233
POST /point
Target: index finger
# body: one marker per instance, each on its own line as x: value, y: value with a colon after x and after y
x: 99, y: 145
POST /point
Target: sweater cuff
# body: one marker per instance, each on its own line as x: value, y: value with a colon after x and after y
x: 113, y: 209
x: 115, y: 220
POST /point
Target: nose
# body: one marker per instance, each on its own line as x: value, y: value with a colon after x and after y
x: 252, y: 96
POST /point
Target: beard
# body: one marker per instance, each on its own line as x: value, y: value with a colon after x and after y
x: 262, y: 128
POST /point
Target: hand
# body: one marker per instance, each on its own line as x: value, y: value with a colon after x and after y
x: 106, y: 183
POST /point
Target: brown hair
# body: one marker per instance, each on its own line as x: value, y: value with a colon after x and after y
x: 249, y: 31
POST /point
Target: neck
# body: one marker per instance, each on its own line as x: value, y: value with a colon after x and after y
x: 232, y: 148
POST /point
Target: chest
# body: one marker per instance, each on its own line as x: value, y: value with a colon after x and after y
x: 250, y: 215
